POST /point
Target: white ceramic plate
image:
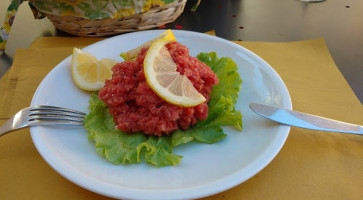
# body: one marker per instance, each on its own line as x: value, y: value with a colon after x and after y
x: 205, y: 169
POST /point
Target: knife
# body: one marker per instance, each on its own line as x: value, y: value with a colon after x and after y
x: 304, y: 120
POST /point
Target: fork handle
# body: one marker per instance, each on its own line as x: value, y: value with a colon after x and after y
x: 12, y: 125
x: 6, y: 127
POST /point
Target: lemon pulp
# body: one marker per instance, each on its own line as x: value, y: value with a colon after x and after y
x: 162, y: 76
x: 88, y: 72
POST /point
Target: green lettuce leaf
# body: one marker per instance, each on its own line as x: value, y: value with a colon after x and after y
x: 157, y: 151
x: 227, y: 71
x: 123, y: 148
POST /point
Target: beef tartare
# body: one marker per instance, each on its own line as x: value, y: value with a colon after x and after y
x: 135, y: 107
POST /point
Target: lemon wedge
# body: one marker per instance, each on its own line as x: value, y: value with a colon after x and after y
x: 133, y: 52
x: 88, y: 72
x: 162, y: 76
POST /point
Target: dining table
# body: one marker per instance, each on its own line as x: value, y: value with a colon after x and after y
x: 315, y: 47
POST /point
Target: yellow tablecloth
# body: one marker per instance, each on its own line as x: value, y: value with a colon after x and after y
x: 311, y: 165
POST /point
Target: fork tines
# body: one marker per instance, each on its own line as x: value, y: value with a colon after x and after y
x: 53, y: 114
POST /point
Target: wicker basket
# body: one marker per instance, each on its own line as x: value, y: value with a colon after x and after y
x: 104, y: 27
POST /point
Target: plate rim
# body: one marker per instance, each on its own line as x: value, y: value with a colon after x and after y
x: 194, y: 192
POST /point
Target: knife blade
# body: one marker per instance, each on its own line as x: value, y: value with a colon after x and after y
x: 304, y: 120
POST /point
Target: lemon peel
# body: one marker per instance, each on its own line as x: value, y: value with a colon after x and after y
x: 131, y: 54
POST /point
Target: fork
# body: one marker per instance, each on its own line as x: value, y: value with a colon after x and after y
x: 42, y: 115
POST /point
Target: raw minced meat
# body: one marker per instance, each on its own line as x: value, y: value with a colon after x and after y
x: 137, y: 108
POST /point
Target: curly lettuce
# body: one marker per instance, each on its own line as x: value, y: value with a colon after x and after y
x: 123, y: 148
